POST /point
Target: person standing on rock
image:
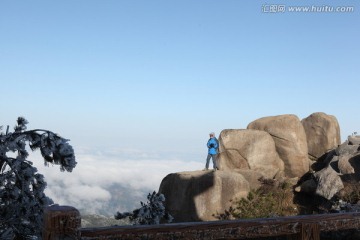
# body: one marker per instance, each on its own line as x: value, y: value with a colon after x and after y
x: 212, y: 145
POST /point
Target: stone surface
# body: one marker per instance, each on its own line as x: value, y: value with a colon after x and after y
x: 322, y: 133
x: 249, y: 149
x: 290, y: 141
x: 252, y: 177
x: 197, y: 195
x: 328, y: 182
x: 354, y: 140
x: 345, y: 148
x: 339, y: 168
x: 308, y: 186
x: 349, y: 166
x: 271, y: 147
x: 344, y: 164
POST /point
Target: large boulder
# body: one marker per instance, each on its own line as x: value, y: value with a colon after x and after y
x: 290, y: 141
x: 325, y: 183
x: 354, y: 140
x: 198, y: 195
x: 340, y: 168
x: 346, y: 148
x: 322, y: 133
x: 249, y: 149
x: 350, y: 164
x: 328, y: 182
x: 253, y: 177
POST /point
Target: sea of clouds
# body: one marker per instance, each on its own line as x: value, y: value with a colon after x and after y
x: 107, y: 181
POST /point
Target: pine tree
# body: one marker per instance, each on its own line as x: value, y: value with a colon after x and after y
x: 22, y: 198
x: 149, y: 213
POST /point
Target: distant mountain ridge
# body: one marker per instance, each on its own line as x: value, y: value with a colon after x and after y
x: 122, y: 199
x: 89, y: 221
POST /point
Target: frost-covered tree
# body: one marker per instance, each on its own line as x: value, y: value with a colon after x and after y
x: 149, y: 213
x: 22, y: 198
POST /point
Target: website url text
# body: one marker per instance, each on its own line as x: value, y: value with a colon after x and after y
x: 280, y: 8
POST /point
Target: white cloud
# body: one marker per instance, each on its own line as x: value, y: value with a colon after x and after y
x: 102, y: 178
x: 84, y: 192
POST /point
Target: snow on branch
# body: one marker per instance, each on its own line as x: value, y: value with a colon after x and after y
x: 22, y: 197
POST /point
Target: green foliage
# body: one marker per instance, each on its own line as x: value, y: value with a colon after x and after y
x: 256, y: 205
x: 270, y: 200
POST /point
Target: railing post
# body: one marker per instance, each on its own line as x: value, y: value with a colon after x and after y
x: 310, y: 231
x: 61, y: 223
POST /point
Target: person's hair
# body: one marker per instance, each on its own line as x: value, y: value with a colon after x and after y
x: 212, y: 134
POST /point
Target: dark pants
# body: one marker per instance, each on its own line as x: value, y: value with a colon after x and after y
x: 213, y: 156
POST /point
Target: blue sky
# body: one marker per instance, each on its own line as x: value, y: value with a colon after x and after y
x: 158, y: 76
x: 137, y: 85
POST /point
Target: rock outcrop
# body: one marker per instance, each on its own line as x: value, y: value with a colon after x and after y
x: 247, y: 149
x: 322, y: 133
x: 354, y: 140
x: 197, y: 195
x: 252, y: 177
x: 290, y: 141
x: 328, y: 182
x: 338, y: 168
x: 270, y: 147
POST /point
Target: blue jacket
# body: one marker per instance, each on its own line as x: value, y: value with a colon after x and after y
x: 212, y: 145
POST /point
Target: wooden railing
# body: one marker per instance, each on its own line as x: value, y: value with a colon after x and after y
x: 64, y: 223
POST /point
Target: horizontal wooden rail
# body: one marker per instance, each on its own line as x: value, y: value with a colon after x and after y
x: 304, y: 226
